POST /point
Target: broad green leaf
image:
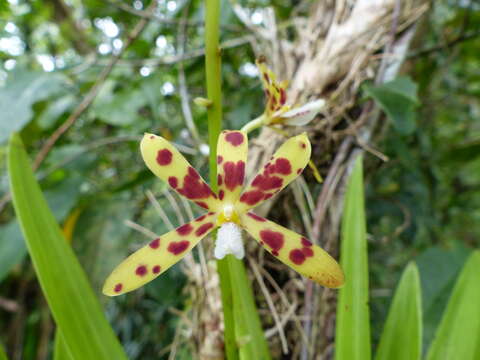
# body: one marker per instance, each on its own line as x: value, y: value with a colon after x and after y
x: 119, y: 108
x: 398, y: 98
x: 249, y: 335
x: 72, y: 302
x: 353, y: 322
x: 402, y: 335
x: 54, y: 110
x: 458, y: 336
x: 22, y: 90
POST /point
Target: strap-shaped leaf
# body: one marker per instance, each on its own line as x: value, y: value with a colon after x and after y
x: 72, y: 301
x: 353, y: 322
x: 402, y: 335
x: 458, y: 335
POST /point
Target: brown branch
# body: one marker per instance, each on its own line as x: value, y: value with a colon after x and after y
x: 450, y: 44
x: 88, y: 99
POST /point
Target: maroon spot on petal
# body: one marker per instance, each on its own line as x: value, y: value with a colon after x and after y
x: 202, y: 204
x: 297, y: 256
x: 306, y: 242
x: 173, y: 182
x: 201, y: 218
x: 308, y: 252
x: 118, y: 288
x: 221, y: 194
x: 219, y: 180
x: 275, y: 252
x: 268, y: 196
x: 299, y: 170
x: 251, y: 197
x: 141, y: 270
x: 234, y: 174
x: 256, y: 217
x: 156, y: 269
x: 154, y: 244
x: 273, y: 239
x: 210, y: 213
x: 283, y: 96
x: 265, y: 182
x: 265, y: 76
x: 219, y: 159
x: 282, y: 166
x: 152, y: 137
x: 203, y: 229
x: 164, y: 157
x: 194, y: 187
x: 303, y: 145
x: 178, y: 247
x: 185, y: 229
x: 234, y: 137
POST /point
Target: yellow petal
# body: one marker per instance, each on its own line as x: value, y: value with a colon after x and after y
x: 166, y: 162
x: 275, y: 91
x: 146, y: 264
x: 232, y: 152
x: 285, y: 165
x: 294, y: 250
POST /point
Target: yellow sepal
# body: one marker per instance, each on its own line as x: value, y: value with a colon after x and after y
x: 294, y: 250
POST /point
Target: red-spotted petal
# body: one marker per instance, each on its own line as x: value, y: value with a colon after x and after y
x: 285, y: 165
x: 153, y: 259
x: 166, y: 162
x: 232, y: 152
x: 294, y: 250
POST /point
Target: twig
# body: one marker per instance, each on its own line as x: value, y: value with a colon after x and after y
x: 273, y: 310
x: 173, y: 59
x: 5, y: 199
x: 174, y: 204
x: 141, y: 229
x: 165, y: 20
x: 452, y: 43
x: 182, y: 82
x: 322, y: 201
x: 159, y: 209
x: 94, y: 90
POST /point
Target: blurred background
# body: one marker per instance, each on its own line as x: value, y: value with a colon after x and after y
x: 95, y: 75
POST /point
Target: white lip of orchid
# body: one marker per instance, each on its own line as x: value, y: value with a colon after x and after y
x: 229, y: 241
x: 303, y: 114
x: 228, y: 211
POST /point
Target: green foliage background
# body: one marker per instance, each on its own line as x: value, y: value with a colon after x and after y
x: 423, y: 204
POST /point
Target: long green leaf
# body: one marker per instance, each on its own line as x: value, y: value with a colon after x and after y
x: 60, y: 351
x: 72, y: 301
x: 353, y: 323
x: 248, y: 328
x: 458, y: 335
x: 3, y: 356
x: 402, y: 335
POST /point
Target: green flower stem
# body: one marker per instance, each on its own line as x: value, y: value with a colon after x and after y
x: 255, y: 123
x: 214, y: 82
x: 214, y: 113
x: 241, y: 319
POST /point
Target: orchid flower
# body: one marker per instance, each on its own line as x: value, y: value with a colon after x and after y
x: 229, y: 210
x: 277, y: 109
